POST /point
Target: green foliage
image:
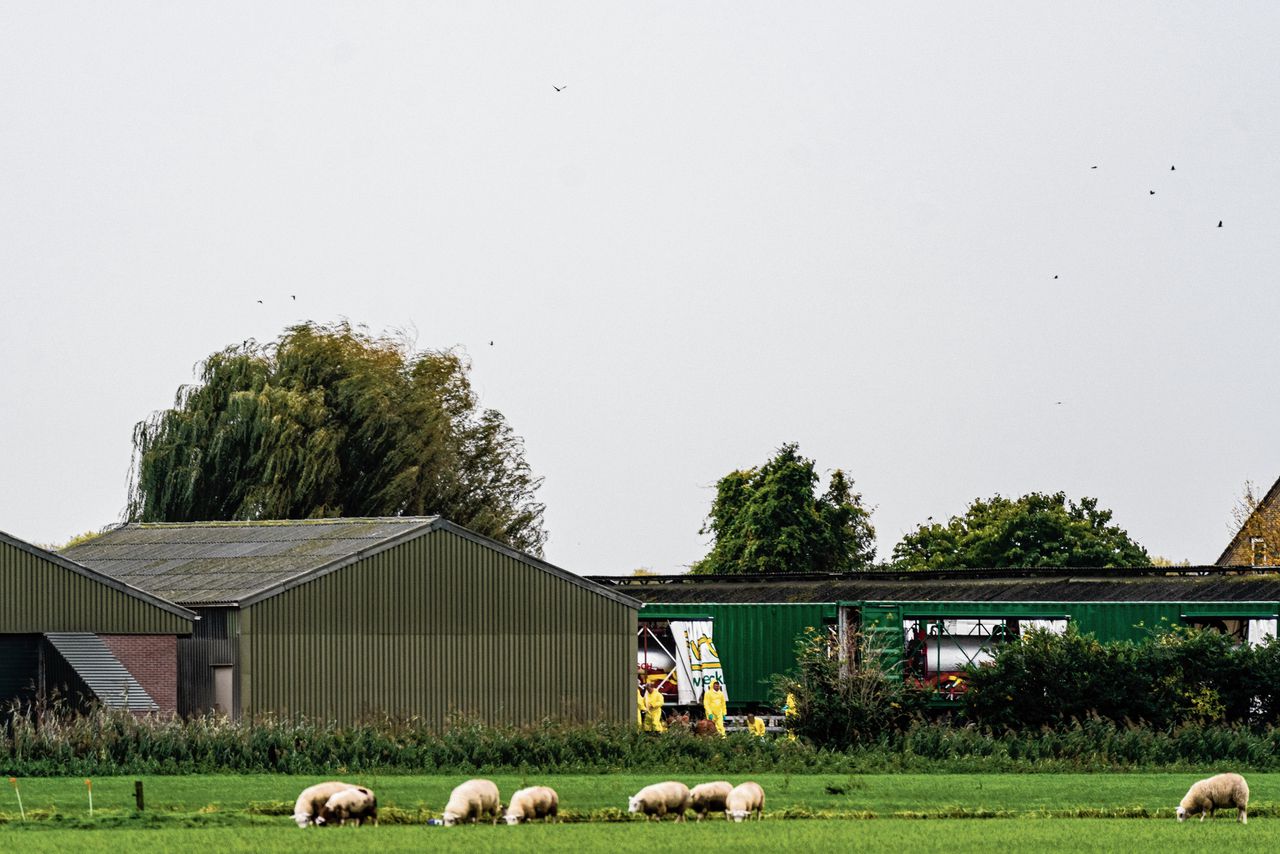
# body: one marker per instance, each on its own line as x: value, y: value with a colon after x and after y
x: 1034, y: 530
x: 844, y: 703
x: 770, y: 520
x: 330, y: 421
x: 1173, y: 677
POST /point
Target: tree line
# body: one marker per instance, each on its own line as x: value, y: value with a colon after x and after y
x: 329, y: 420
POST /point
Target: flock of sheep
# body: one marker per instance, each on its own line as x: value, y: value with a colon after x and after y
x: 335, y: 802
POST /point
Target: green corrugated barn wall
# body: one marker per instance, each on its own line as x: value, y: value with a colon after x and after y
x: 754, y: 641
x: 757, y: 641
x: 39, y: 594
x: 435, y: 627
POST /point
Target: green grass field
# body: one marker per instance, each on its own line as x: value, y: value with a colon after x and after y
x: 921, y: 812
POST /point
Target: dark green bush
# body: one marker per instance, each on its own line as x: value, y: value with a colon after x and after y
x: 1171, y: 678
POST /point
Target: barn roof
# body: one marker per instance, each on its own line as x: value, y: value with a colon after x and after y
x: 238, y: 563
x: 1159, y: 584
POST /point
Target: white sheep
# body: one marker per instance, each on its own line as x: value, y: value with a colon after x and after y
x: 534, y: 802
x: 709, y: 797
x: 745, y: 799
x: 659, y: 799
x: 356, y: 804
x: 471, y: 801
x: 1212, y: 793
x: 313, y: 799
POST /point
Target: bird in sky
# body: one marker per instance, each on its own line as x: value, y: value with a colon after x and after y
x: 559, y: 88
x: 1093, y: 167
x: 1219, y: 223
x: 1173, y: 169
x: 293, y: 296
x: 1055, y: 275
x: 490, y: 343
x: 259, y: 302
x: 1151, y: 192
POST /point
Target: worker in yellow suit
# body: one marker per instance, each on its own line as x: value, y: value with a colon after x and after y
x: 789, y: 713
x: 653, y: 706
x: 714, y: 704
x: 755, y: 726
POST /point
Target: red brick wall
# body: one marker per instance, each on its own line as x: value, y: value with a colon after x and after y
x: 153, y: 661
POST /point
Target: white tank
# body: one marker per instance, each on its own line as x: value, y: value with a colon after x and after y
x: 655, y: 658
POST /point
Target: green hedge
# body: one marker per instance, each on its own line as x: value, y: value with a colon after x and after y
x: 107, y: 743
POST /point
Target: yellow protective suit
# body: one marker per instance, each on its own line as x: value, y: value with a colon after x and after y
x: 789, y: 712
x: 713, y: 703
x: 653, y: 703
x: 756, y: 727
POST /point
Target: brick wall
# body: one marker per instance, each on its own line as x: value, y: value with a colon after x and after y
x: 153, y: 661
x: 1258, y: 542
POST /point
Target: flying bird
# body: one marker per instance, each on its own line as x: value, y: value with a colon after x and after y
x: 259, y: 302
x: 1055, y: 275
x: 1093, y: 167
x: 293, y: 296
x: 1151, y: 192
x: 1172, y: 169
x: 1219, y: 223
x: 559, y: 88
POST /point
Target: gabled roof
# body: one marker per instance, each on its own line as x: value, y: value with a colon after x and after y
x: 1155, y: 584
x: 239, y: 563
x: 1248, y: 529
x: 102, y: 578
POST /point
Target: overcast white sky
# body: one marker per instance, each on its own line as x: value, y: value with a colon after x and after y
x: 740, y: 224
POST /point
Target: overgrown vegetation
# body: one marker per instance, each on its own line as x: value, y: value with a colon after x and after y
x: 109, y: 743
x: 1171, y: 678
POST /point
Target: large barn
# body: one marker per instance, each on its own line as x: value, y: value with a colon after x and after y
x: 70, y: 635
x: 342, y: 619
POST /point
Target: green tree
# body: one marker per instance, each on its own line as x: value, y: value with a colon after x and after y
x: 1034, y: 530
x: 770, y: 520
x: 331, y: 421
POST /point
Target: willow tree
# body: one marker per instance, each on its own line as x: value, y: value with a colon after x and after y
x: 331, y: 421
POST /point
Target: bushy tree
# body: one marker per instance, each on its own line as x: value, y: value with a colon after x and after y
x: 770, y: 520
x: 843, y: 703
x: 1174, y: 676
x: 331, y: 421
x: 1034, y: 530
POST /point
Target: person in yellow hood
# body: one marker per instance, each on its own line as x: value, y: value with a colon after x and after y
x: 755, y: 726
x: 714, y: 704
x: 790, y: 712
x: 653, y: 705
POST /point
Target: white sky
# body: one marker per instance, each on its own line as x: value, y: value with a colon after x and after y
x: 739, y: 225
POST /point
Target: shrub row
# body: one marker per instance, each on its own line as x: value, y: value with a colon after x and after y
x: 106, y: 743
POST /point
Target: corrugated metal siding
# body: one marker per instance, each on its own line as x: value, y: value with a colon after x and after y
x: 40, y: 596
x: 213, y: 643
x: 434, y: 627
x: 754, y: 641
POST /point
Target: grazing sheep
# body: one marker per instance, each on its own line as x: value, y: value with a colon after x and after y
x: 313, y: 799
x: 659, y: 799
x: 471, y: 801
x: 1220, y: 792
x: 534, y: 802
x: 709, y: 797
x: 745, y: 799
x: 356, y: 804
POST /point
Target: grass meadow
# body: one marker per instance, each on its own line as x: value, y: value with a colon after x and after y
x: 921, y: 812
